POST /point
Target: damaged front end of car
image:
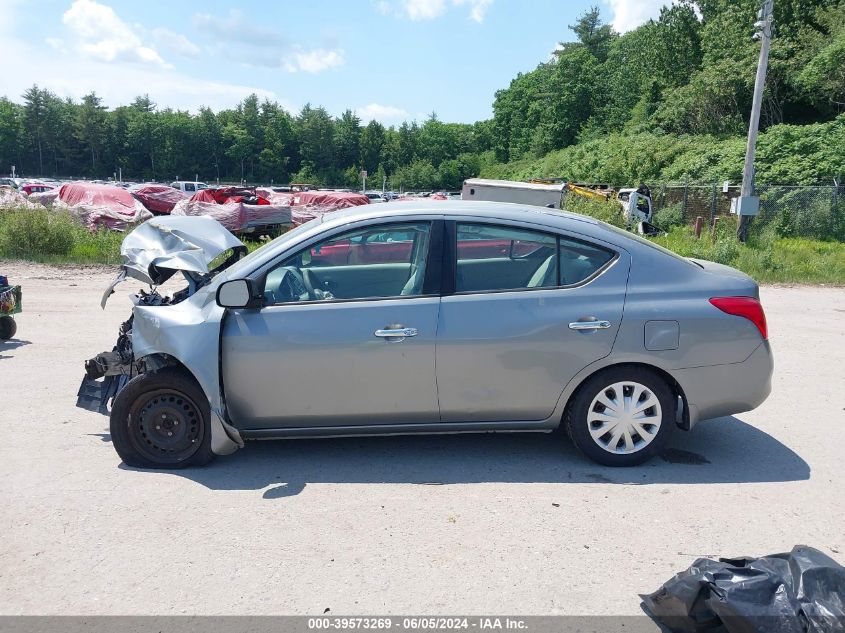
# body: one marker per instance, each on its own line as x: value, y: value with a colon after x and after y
x: 197, y: 247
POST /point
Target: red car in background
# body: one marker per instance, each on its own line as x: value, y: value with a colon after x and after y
x: 35, y: 187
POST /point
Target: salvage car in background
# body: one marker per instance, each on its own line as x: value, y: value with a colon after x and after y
x: 425, y: 318
x: 188, y: 186
x: 36, y: 187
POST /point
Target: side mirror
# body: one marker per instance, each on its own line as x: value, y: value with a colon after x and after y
x: 238, y: 293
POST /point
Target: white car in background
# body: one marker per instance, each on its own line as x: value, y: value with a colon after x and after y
x: 188, y: 186
x: 375, y: 197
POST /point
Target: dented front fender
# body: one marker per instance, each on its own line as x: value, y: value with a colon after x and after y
x: 190, y: 333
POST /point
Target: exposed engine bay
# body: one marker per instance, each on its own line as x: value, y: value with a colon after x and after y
x: 152, y: 254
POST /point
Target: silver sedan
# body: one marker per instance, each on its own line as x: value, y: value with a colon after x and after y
x: 424, y: 318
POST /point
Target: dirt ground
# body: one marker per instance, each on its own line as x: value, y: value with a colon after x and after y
x: 479, y: 524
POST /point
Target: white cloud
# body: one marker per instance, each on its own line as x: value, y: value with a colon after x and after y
x: 424, y: 9
x: 629, y: 14
x: 56, y: 43
x: 315, y: 61
x: 417, y: 10
x: 240, y: 39
x: 74, y: 75
x: 101, y: 35
x: 382, y: 113
x: 236, y: 27
x: 477, y: 8
x: 175, y: 42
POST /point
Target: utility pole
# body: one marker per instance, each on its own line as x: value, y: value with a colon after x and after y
x: 748, y: 205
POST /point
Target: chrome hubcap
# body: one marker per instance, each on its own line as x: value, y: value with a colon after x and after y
x: 624, y: 417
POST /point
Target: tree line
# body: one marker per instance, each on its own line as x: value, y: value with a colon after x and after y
x: 257, y: 141
x: 689, y: 72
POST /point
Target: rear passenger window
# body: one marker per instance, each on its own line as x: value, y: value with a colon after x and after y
x: 579, y: 260
x: 492, y: 257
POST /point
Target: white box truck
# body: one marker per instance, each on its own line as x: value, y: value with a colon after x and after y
x: 511, y: 191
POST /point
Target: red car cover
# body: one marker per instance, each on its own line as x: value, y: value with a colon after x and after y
x: 158, y: 198
x: 308, y: 205
x: 226, y: 195
x: 206, y: 195
x: 109, y: 196
x: 101, y: 205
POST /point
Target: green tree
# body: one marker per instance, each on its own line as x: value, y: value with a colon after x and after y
x: 592, y: 34
x: 239, y: 145
x: 347, y: 140
x: 277, y: 156
x: 35, y: 115
x: 210, y: 141
x: 11, y: 134
x: 89, y: 126
x: 315, y: 130
x: 372, y: 141
x: 143, y: 137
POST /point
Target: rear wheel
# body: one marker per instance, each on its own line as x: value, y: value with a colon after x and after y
x: 8, y: 327
x: 161, y: 420
x: 623, y: 416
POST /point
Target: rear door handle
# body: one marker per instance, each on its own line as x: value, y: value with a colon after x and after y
x: 403, y: 332
x: 589, y: 325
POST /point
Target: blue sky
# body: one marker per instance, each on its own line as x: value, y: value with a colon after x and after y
x: 387, y: 59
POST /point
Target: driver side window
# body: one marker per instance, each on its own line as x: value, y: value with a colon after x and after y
x: 373, y: 262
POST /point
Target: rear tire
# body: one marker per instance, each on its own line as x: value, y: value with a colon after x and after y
x: 8, y: 327
x: 622, y: 416
x: 161, y: 420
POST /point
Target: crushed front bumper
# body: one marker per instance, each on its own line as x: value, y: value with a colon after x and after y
x: 107, y: 373
x: 97, y: 395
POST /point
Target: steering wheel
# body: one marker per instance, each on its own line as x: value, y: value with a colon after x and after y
x: 309, y: 281
x: 293, y: 286
x: 312, y: 284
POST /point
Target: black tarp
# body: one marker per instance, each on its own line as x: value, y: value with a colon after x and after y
x: 802, y: 591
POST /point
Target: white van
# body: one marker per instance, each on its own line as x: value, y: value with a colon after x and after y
x: 188, y: 186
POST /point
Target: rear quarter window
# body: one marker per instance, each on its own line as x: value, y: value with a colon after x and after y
x: 579, y: 261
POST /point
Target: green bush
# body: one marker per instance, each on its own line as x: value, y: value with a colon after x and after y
x: 55, y: 236
x: 25, y: 231
x: 725, y: 251
x: 796, y: 154
x: 669, y: 217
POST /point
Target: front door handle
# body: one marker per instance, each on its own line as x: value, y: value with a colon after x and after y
x: 401, y: 332
x: 589, y: 325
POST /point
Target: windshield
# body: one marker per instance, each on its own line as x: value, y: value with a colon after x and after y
x: 240, y: 267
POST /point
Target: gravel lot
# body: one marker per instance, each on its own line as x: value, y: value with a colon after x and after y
x: 428, y: 525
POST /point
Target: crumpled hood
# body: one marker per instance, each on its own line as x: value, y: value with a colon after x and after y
x: 160, y: 247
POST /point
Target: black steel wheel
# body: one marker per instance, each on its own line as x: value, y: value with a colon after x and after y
x: 8, y: 327
x: 165, y: 426
x: 161, y: 420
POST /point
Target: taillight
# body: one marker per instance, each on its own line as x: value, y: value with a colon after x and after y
x: 746, y: 307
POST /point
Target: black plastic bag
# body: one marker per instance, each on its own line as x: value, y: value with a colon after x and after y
x: 802, y: 591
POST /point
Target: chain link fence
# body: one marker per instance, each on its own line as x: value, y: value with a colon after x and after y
x: 792, y: 210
